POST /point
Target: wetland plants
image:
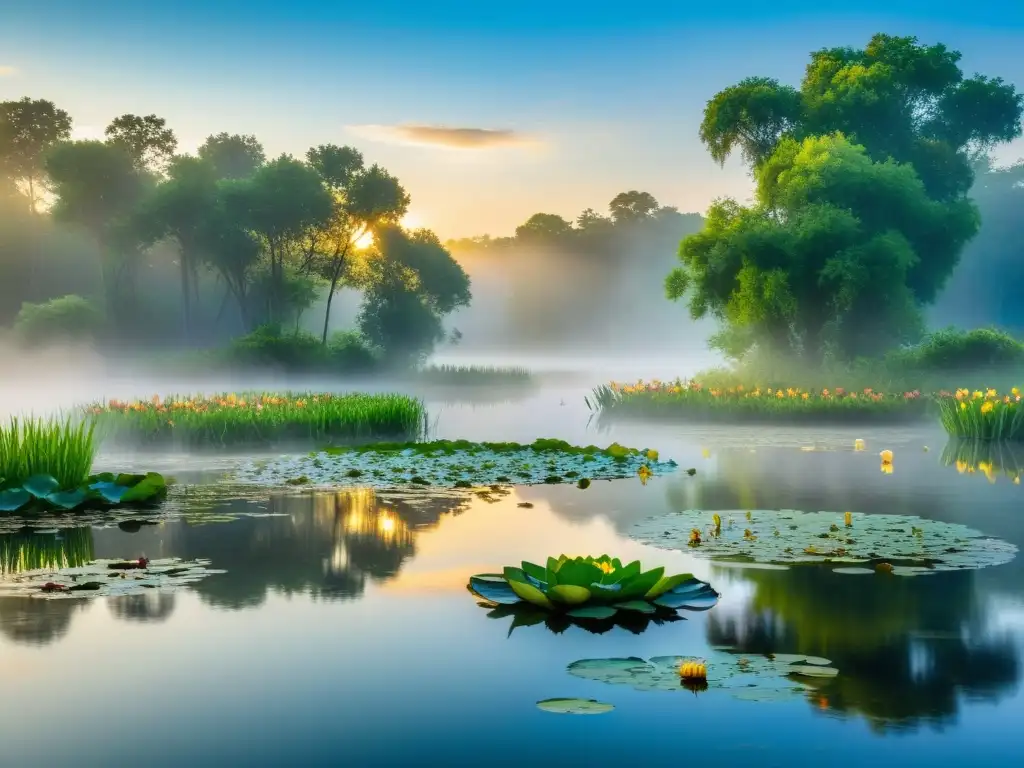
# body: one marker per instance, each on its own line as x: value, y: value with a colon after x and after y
x: 251, y: 419
x: 45, y: 466
x: 593, y: 588
x: 983, y: 415
x: 458, y: 464
x: 692, y: 399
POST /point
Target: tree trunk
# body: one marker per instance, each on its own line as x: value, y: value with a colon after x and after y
x: 186, y: 296
x: 327, y: 311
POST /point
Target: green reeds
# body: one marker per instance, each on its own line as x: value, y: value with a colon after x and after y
x: 249, y: 419
x: 61, y: 448
x: 986, y: 415
x: 474, y: 375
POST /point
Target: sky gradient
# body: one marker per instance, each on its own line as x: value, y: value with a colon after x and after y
x: 560, y: 105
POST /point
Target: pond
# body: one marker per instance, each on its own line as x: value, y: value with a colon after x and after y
x: 341, y: 630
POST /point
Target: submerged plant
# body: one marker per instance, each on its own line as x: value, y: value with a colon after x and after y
x: 593, y: 588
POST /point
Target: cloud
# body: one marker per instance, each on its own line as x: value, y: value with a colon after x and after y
x: 442, y: 136
x: 8, y: 71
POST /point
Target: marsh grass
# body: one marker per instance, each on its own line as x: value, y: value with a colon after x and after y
x: 250, y: 419
x: 695, y: 400
x: 474, y: 375
x: 983, y: 415
x: 61, y: 447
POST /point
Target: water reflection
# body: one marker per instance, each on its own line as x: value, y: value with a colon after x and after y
x: 29, y: 621
x: 909, y: 648
x: 147, y: 607
x: 990, y: 459
x: 30, y: 550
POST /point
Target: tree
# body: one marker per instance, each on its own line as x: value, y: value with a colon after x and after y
x: 28, y: 129
x: 178, y: 208
x: 409, y: 286
x: 364, y: 199
x: 281, y: 203
x: 897, y: 98
x: 591, y: 221
x: 147, y: 140
x: 233, y: 156
x: 543, y: 227
x: 838, y: 252
x: 97, y: 187
x: 632, y: 206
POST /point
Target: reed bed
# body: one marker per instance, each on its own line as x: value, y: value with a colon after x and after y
x: 474, y: 375
x: 983, y: 415
x: 63, y: 448
x: 250, y: 419
x: 693, y: 400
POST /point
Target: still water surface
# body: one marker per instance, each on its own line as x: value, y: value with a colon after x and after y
x: 342, y: 632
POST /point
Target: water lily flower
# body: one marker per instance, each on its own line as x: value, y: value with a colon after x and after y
x: 886, y: 456
x: 858, y: 444
x: 693, y: 670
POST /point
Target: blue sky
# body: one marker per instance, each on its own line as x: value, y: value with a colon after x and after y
x: 607, y: 96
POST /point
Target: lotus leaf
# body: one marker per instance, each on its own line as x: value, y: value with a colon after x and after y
x: 750, y: 677
x: 457, y: 464
x: 913, y: 545
x: 95, y: 579
x: 42, y: 493
x: 574, y: 706
x: 528, y: 615
x: 593, y: 588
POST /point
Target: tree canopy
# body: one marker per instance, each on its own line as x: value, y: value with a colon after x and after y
x: 29, y: 128
x: 861, y: 208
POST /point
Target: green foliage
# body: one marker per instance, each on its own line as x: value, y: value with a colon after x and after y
x: 233, y: 156
x: 34, y: 551
x: 44, y: 493
x: 299, y: 351
x: 147, y: 140
x: 62, y: 449
x: 474, y: 375
x: 257, y: 419
x: 952, y: 350
x: 69, y: 318
x: 28, y: 129
x: 593, y: 588
x: 861, y: 210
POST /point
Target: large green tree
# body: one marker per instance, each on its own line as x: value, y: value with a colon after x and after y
x: 861, y: 205
x: 363, y: 200
x: 147, y: 140
x: 29, y: 128
x: 233, y: 156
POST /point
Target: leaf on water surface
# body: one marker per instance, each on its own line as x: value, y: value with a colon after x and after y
x: 640, y: 606
x: 912, y: 544
x: 41, y: 486
x: 750, y: 677
x: 14, y: 499
x: 574, y: 706
x: 110, y: 491
x: 493, y: 587
x: 67, y: 499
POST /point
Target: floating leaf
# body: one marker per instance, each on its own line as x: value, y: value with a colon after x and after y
x: 150, y: 487
x: 911, y: 544
x: 14, y: 499
x: 493, y: 587
x: 592, y: 612
x: 635, y: 605
x: 41, y: 486
x: 110, y: 491
x: 574, y: 706
x: 67, y: 499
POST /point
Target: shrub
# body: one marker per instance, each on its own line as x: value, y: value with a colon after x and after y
x: 299, y: 351
x: 68, y: 318
x: 953, y: 350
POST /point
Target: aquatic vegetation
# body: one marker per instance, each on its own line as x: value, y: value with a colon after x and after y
x: 31, y: 551
x: 574, y: 706
x: 258, y: 418
x: 106, y: 578
x: 983, y: 415
x: 60, y: 448
x: 693, y: 670
x: 44, y: 493
x: 988, y: 457
x: 457, y: 464
x: 911, y: 545
x: 772, y: 677
x: 593, y: 588
x: 692, y: 399
x: 474, y: 375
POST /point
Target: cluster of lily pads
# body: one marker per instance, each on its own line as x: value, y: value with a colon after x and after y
x: 593, y: 588
x: 42, y: 493
x: 456, y: 464
x: 107, y: 578
x: 899, y: 544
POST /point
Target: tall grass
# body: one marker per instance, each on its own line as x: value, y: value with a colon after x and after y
x: 251, y: 419
x: 695, y: 400
x: 983, y: 415
x: 62, y: 448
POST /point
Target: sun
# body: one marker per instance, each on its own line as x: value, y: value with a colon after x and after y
x: 364, y: 241
x: 412, y: 220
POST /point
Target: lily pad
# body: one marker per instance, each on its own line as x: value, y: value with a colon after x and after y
x: 748, y: 677
x: 575, y: 706
x: 456, y: 464
x: 98, y: 579
x: 14, y: 499
x: 41, y: 486
x: 913, y: 545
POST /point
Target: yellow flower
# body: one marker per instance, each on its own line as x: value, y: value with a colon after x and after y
x: 693, y: 670
x: 886, y: 469
x: 990, y: 393
x: 987, y: 406
x: 605, y: 566
x: 961, y: 466
x: 886, y: 456
x: 963, y: 406
x: 858, y: 444
x: 1015, y: 392
x: 977, y: 394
